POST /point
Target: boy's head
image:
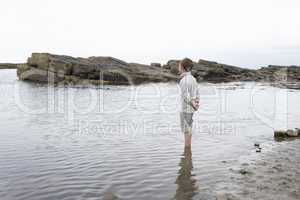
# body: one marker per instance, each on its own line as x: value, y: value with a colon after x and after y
x: 185, y: 65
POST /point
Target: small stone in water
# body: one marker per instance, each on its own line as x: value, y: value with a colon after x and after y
x: 244, y: 171
x: 258, y: 150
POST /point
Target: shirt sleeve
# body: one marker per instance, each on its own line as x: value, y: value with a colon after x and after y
x: 194, y: 91
x: 184, y: 91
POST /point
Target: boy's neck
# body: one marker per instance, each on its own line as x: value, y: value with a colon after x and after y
x: 184, y: 74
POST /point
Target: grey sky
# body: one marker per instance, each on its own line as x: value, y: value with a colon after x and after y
x: 247, y: 33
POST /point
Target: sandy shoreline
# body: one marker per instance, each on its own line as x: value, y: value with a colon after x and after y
x: 273, y: 174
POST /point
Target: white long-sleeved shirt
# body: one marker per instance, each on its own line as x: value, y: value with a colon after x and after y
x: 188, y: 92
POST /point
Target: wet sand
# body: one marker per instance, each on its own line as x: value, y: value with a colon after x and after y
x: 272, y: 174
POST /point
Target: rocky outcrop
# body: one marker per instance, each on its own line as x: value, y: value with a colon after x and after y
x: 45, y: 67
x: 279, y: 73
x: 287, y: 77
x: 8, y: 66
x: 208, y: 71
x: 214, y: 72
x: 288, y: 133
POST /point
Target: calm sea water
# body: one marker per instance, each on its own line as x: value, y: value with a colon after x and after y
x: 125, y: 142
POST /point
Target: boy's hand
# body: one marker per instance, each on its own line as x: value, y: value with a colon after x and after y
x: 195, y: 104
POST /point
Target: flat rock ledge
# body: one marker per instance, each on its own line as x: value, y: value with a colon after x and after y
x: 50, y: 68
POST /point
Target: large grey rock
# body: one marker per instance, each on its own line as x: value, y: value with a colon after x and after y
x: 39, y: 60
x: 45, y: 67
x: 39, y: 75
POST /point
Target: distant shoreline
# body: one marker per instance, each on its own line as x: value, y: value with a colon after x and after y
x: 8, y: 65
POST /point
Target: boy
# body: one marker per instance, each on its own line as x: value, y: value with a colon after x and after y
x: 189, y: 99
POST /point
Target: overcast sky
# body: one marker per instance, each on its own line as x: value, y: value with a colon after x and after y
x: 247, y: 33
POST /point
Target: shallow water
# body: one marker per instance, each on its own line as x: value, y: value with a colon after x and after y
x: 125, y: 142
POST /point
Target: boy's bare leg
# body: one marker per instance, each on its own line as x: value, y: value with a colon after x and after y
x: 188, y: 139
